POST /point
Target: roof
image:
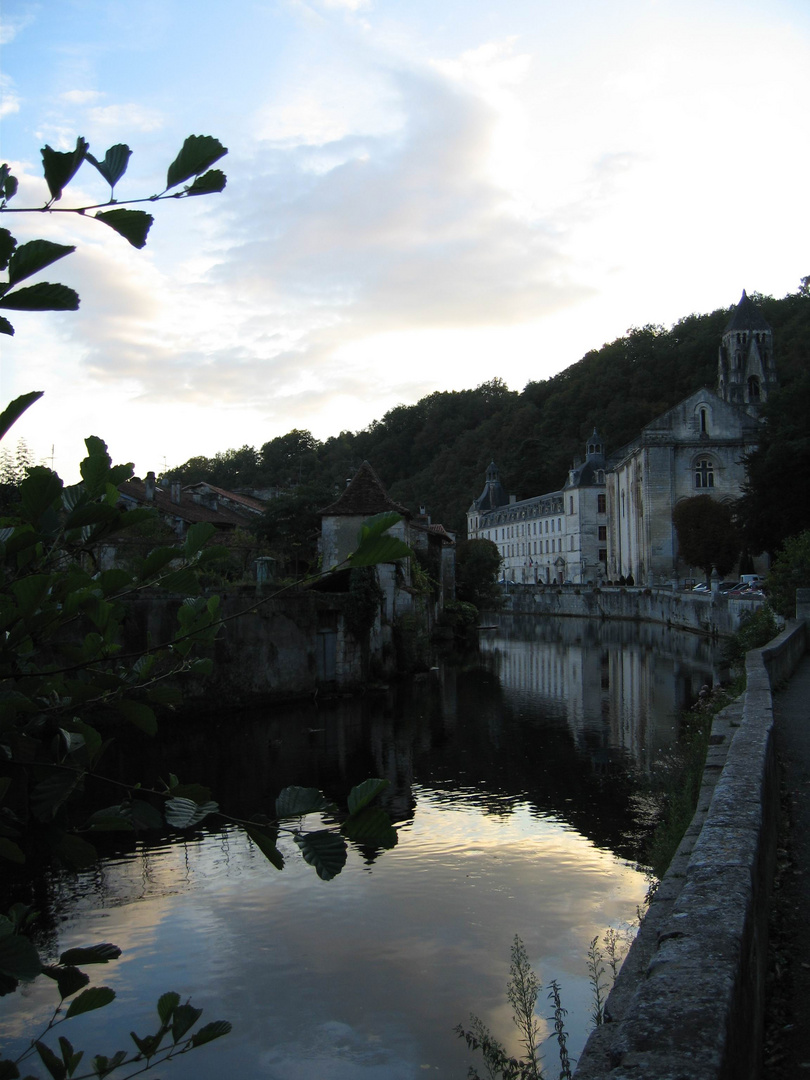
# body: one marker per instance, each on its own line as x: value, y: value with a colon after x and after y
x: 364, y: 495
x: 250, y: 504
x: 494, y: 493
x: 187, y: 509
x: 746, y: 316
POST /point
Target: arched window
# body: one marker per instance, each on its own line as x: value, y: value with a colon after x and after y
x: 704, y: 473
x: 704, y: 422
x: 753, y: 388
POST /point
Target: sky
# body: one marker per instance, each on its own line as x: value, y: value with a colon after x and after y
x: 421, y: 197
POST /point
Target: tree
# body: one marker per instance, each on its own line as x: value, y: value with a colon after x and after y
x: 707, y: 536
x: 790, y: 571
x: 477, y: 565
x: 768, y: 511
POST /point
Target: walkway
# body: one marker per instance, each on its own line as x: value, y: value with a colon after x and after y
x: 787, y: 1053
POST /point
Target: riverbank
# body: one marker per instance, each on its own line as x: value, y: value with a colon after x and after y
x: 689, y: 1001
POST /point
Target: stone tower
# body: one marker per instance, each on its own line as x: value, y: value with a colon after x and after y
x: 746, y: 373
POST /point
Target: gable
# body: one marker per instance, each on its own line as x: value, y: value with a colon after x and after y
x: 701, y: 415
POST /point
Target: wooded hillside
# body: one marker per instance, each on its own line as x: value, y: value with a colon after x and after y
x: 435, y: 453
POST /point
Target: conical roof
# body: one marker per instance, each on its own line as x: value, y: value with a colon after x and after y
x: 364, y: 495
x: 746, y: 316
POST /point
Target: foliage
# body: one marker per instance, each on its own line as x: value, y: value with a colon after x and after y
x: 768, y: 511
x: 707, y: 536
x: 459, y: 615
x: 789, y: 572
x: 757, y: 628
x: 477, y: 565
x: 193, y: 163
x: 291, y: 528
x: 20, y: 961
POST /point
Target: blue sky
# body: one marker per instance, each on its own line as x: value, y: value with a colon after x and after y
x: 420, y: 197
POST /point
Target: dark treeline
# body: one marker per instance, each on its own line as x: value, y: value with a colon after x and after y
x: 435, y: 453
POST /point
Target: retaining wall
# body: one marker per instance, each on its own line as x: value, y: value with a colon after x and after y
x: 704, y: 613
x: 689, y: 1001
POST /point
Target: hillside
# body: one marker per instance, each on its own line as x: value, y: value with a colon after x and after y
x: 435, y: 453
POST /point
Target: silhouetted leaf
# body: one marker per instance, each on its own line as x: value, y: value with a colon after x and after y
x: 133, y: 225
x: 96, y: 997
x: 115, y: 162
x: 297, y: 801
x: 75, y: 851
x: 69, y: 1056
x: 166, y: 1005
x: 197, y: 537
x: 199, y: 153
x: 184, y: 1018
x: 51, y: 1062
x: 184, y: 814
x: 60, y: 167
x: 8, y: 185
x: 49, y: 794
x: 91, y: 954
x: 69, y: 979
x: 362, y: 794
x: 8, y: 1070
x: 209, y: 183
x: 16, y: 408
x: 43, y: 296
x: 371, y: 826
x: 379, y: 549
x: 18, y: 957
x: 138, y: 714
x: 265, y: 841
x: 325, y: 851
x: 34, y: 256
x: 214, y: 1030
x: 6, y: 327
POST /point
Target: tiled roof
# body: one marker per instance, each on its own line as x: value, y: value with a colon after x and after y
x: 364, y: 494
x: 746, y: 316
x: 250, y: 504
x: 187, y: 509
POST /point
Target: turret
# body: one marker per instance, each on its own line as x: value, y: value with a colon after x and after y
x: 746, y: 373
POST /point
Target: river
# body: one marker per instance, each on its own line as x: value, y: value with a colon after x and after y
x: 514, y: 787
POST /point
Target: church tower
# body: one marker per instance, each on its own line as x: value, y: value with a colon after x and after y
x: 746, y: 373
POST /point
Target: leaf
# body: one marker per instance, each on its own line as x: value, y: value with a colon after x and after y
x: 109, y: 820
x: 13, y: 411
x: 91, y: 954
x: 49, y: 794
x: 214, y: 1030
x: 8, y: 184
x: 6, y: 327
x: 185, y: 1017
x: 140, y: 715
x: 103, y: 1065
x: 70, y: 1058
x: 69, y: 979
x: 10, y: 851
x: 51, y: 1062
x: 324, y: 850
x: 184, y: 814
x: 18, y: 957
x: 209, y: 183
x: 7, y: 245
x: 133, y: 225
x: 75, y: 851
x: 115, y: 162
x: 8, y: 1070
x: 371, y: 826
x: 34, y: 256
x: 379, y: 549
x: 197, y: 537
x: 158, y: 560
x: 199, y: 153
x: 265, y: 841
x: 362, y: 794
x: 197, y: 792
x: 41, y: 297
x: 95, y: 997
x: 297, y: 801
x: 38, y: 492
x: 166, y: 1005
x: 143, y: 815
x: 60, y: 168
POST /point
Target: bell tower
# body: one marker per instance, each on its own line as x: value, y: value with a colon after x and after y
x: 746, y: 372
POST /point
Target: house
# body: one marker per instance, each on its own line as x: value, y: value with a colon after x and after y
x: 181, y: 507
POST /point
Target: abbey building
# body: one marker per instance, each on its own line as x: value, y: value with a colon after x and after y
x: 612, y: 518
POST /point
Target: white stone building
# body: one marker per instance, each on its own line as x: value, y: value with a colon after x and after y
x: 553, y: 538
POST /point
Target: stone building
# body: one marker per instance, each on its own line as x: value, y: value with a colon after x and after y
x: 553, y: 538
x: 613, y: 517
x: 696, y: 448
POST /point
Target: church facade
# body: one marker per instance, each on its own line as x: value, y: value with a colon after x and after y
x: 614, y: 515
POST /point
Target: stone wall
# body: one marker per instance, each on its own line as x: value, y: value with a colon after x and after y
x: 689, y: 1000
x: 703, y: 613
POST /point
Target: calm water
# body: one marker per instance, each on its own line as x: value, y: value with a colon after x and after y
x: 513, y: 787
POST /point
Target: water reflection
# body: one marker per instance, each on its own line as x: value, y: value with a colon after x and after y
x: 512, y: 786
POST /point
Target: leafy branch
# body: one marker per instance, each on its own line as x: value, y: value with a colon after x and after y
x: 191, y: 168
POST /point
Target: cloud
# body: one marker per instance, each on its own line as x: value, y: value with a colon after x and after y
x: 9, y: 99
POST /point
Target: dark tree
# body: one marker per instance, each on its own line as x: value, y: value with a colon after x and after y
x: 707, y: 535
x: 477, y: 565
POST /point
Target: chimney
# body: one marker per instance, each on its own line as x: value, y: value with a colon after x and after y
x: 176, y: 492
x: 149, y: 484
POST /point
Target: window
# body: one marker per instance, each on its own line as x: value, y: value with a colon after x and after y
x: 570, y: 504
x: 603, y: 555
x: 704, y: 422
x: 704, y: 473
x: 753, y: 388
x: 603, y: 532
x: 601, y: 504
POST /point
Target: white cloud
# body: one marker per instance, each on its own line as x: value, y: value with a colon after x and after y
x: 9, y: 99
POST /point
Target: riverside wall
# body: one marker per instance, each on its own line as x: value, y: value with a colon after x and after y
x: 688, y: 1003
x: 714, y: 614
